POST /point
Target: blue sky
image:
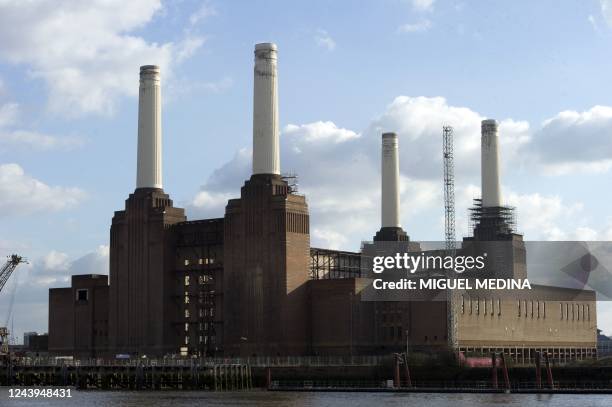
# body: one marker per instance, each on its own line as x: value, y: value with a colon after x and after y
x: 348, y: 70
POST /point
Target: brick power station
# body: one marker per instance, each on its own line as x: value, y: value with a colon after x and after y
x: 250, y: 283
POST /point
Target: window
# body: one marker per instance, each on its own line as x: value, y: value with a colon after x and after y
x: 186, y: 313
x: 463, y: 304
x: 186, y: 280
x: 544, y: 309
x: 186, y: 262
x: 186, y: 326
x: 561, y: 310
x: 518, y: 303
x: 81, y: 294
x: 498, y: 307
x: 588, y: 312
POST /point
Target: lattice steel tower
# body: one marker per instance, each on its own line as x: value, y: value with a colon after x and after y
x: 449, y: 189
x: 449, y: 228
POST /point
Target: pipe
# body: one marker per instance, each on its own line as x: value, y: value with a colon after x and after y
x: 505, y: 370
x: 494, y: 370
x: 538, y: 371
x: 490, y: 164
x: 266, y: 156
x: 396, y: 379
x: 390, y: 200
x: 407, y: 369
x: 551, y: 383
x: 149, y: 161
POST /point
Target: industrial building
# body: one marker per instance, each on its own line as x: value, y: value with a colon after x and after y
x: 251, y: 284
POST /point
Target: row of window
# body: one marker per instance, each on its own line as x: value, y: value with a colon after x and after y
x: 532, y: 308
x: 203, y: 339
x: 396, y: 333
x: 536, y: 308
x: 575, y: 311
x: 202, y: 279
x: 200, y: 261
x: 202, y: 313
x: 202, y: 326
x: 478, y: 306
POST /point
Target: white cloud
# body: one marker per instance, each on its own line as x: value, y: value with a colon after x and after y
x: 606, y: 11
x: 179, y: 87
x: 318, y: 131
x: 546, y: 217
x: 22, y: 194
x: 593, y: 23
x: 324, y: 40
x: 8, y: 114
x: 206, y: 10
x: 419, y: 26
x: 423, y: 5
x: 188, y: 47
x: 39, y: 141
x: 86, y: 52
x: 574, y: 141
x: 55, y: 261
x: 56, y: 267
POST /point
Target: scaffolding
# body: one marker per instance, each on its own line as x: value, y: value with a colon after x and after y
x: 329, y: 264
x: 487, y: 223
x: 291, y: 178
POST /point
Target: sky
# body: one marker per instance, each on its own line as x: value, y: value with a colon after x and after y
x: 348, y: 71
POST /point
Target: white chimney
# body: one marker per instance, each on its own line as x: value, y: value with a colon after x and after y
x: 390, y: 201
x: 266, y: 157
x: 490, y: 164
x: 149, y: 171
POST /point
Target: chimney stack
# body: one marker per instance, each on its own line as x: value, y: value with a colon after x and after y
x: 390, y: 181
x: 149, y: 171
x: 266, y: 157
x: 490, y: 164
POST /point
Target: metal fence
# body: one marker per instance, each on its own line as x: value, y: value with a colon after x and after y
x: 260, y: 361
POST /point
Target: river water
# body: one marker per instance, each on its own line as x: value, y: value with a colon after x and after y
x: 288, y: 399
